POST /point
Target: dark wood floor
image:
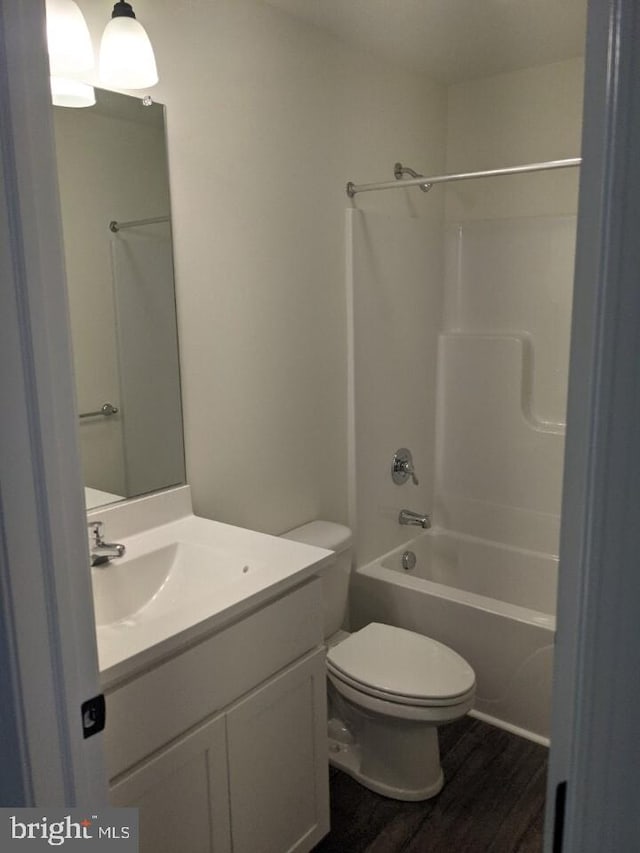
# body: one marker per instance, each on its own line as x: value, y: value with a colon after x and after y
x: 492, y: 801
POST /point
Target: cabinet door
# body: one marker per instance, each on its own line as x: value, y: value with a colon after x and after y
x: 182, y: 795
x: 278, y: 762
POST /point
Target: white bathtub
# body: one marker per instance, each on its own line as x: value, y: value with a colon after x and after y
x: 492, y: 603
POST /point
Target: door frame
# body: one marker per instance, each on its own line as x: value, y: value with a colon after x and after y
x: 594, y: 771
x: 48, y: 646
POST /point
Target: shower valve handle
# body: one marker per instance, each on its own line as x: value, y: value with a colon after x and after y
x: 402, y: 467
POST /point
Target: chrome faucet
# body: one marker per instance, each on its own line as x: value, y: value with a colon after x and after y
x: 101, y: 551
x: 407, y: 516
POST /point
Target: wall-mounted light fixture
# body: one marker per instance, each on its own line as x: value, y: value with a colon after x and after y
x: 70, y: 54
x: 126, y: 55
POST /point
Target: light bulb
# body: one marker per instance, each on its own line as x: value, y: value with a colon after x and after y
x: 69, y: 42
x: 126, y: 55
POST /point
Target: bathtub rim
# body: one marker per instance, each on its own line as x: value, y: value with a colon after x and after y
x: 375, y: 568
x: 448, y: 533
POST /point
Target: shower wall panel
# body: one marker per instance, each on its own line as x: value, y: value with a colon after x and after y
x: 503, y: 364
x: 515, y: 275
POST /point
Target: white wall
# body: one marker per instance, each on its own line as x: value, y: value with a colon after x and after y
x: 509, y: 277
x: 267, y: 120
x: 521, y: 117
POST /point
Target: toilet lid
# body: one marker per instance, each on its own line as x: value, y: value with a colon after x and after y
x: 391, y: 660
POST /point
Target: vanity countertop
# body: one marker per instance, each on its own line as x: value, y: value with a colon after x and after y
x: 181, y: 578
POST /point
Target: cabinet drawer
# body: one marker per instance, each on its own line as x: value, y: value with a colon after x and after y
x: 157, y: 706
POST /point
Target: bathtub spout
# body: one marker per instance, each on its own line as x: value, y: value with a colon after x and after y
x: 414, y: 518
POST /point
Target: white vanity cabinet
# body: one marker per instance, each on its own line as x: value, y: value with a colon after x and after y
x: 223, y: 747
x: 182, y: 794
x: 278, y: 762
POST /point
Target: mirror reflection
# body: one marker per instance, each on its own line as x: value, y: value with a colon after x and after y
x: 114, y: 192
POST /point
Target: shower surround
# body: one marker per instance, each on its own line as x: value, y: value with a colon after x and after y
x: 503, y: 364
x: 472, y: 377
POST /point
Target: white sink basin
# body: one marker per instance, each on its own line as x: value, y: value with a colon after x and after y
x: 158, y: 582
x: 182, y: 578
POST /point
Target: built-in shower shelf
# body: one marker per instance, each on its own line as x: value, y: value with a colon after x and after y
x: 492, y: 447
x: 515, y: 347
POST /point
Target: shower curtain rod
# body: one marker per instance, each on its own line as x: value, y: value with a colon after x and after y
x: 116, y: 226
x: 426, y: 181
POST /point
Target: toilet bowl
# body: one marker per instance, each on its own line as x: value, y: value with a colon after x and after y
x: 388, y: 688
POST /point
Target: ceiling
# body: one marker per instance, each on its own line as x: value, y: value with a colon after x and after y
x: 452, y: 40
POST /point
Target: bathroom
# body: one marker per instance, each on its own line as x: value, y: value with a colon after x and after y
x: 296, y: 388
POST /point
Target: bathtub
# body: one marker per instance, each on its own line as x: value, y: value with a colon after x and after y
x: 492, y: 603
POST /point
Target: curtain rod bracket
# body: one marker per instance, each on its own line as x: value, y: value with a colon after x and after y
x: 400, y: 171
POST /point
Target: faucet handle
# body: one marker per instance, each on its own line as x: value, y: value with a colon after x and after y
x: 97, y: 531
x: 402, y: 467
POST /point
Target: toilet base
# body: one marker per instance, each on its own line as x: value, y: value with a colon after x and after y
x: 397, y: 758
x: 347, y: 757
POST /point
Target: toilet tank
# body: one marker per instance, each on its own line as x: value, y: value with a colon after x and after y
x: 335, y: 576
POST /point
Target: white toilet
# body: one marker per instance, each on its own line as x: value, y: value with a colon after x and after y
x: 388, y: 688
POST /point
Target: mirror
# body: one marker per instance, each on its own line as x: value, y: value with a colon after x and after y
x: 114, y: 191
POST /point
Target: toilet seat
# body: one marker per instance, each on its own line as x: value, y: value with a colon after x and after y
x: 400, y: 667
x: 342, y: 683
x: 432, y: 714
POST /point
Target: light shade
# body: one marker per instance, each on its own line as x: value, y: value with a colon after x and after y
x: 68, y: 39
x: 126, y: 55
x: 71, y: 93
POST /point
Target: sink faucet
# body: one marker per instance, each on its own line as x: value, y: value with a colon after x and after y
x: 407, y: 516
x: 101, y: 551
